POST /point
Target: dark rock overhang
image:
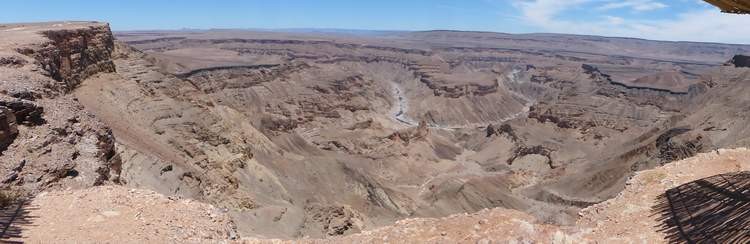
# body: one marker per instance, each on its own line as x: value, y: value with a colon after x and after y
x: 732, y: 6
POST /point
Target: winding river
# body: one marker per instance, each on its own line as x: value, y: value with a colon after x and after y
x: 402, y: 105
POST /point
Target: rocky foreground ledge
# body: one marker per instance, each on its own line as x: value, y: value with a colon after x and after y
x: 117, y: 214
x: 113, y: 213
x: 628, y: 218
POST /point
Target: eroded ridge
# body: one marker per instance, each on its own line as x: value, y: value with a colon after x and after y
x: 321, y: 135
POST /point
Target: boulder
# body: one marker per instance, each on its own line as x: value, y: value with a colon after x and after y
x: 25, y: 112
x: 740, y: 61
x: 8, y: 129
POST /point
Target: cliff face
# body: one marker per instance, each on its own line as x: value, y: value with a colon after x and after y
x: 47, y: 139
x: 71, y: 55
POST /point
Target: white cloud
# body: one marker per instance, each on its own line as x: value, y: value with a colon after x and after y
x: 704, y: 25
x: 544, y: 13
x: 696, y: 25
x: 614, y: 20
x: 636, y: 5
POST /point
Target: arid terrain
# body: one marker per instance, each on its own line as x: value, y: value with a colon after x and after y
x: 435, y: 136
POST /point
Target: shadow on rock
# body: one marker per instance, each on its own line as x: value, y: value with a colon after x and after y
x: 12, y: 220
x: 710, y: 210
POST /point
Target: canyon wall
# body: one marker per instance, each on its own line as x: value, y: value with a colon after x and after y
x: 49, y: 139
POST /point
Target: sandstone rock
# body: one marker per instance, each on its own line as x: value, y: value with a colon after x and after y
x: 75, y: 54
x: 679, y: 143
x: 504, y: 129
x: 25, y: 112
x: 278, y: 124
x: 522, y: 150
x: 24, y: 94
x: 8, y: 130
x: 59, y: 144
x: 336, y: 220
x: 12, y: 61
x: 406, y: 136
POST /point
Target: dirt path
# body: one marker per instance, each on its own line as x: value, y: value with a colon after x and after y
x: 114, y: 214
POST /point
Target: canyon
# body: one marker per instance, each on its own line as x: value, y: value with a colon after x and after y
x: 315, y: 135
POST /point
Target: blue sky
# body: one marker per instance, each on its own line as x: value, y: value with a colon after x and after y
x: 686, y: 20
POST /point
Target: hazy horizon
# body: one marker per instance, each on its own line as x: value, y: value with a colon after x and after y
x: 675, y: 20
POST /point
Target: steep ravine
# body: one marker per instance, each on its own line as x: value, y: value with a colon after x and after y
x: 303, y: 146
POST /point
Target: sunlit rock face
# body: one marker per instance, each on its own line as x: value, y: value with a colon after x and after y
x: 322, y: 135
x: 49, y: 141
x: 433, y: 123
x: 732, y: 6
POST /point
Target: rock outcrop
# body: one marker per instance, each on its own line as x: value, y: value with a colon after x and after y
x: 43, y: 126
x: 8, y: 128
x: 72, y: 55
x: 408, y: 135
x: 502, y: 130
x: 25, y: 112
x: 740, y: 61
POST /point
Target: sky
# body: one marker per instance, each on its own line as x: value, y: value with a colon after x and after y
x: 676, y: 20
